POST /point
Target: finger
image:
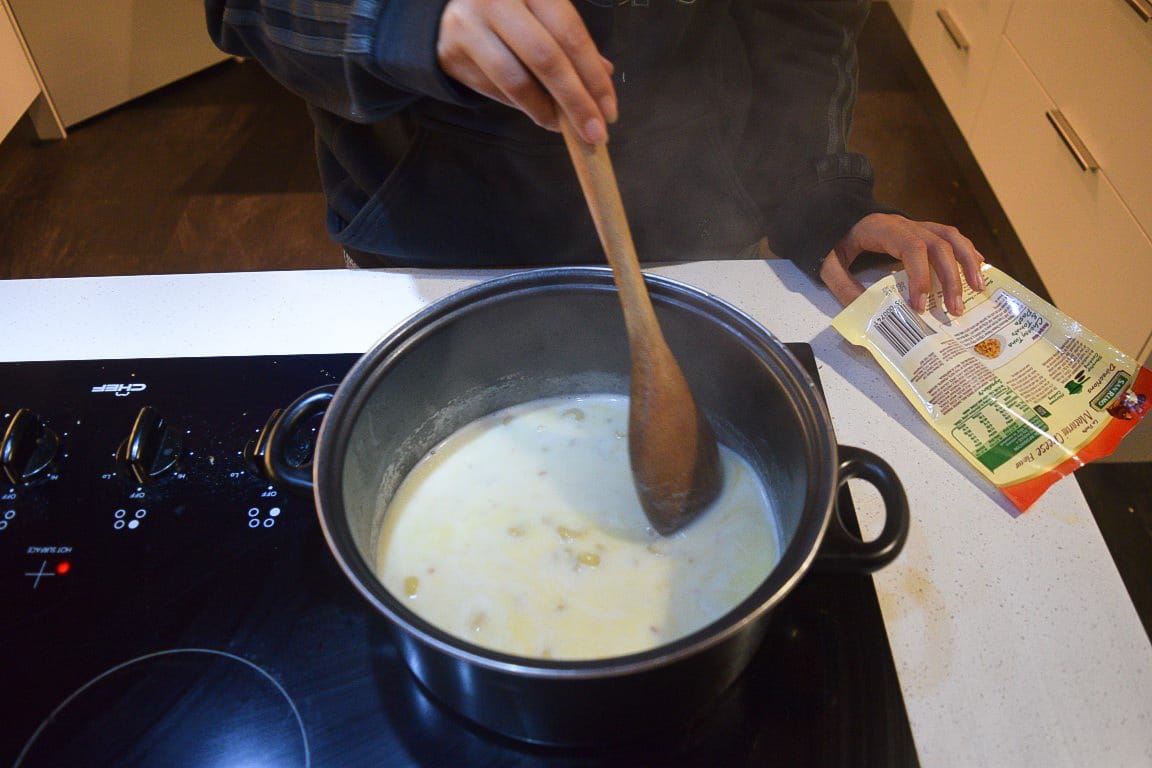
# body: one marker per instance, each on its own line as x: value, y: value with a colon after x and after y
x: 595, y: 72
x: 943, y: 261
x: 969, y: 258
x: 839, y: 279
x: 919, y: 276
x: 504, y: 76
x: 472, y: 76
x: 922, y: 253
x: 469, y: 52
x: 903, y: 242
x: 535, y: 46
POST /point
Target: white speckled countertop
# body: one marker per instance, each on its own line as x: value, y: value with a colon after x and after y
x: 1014, y: 638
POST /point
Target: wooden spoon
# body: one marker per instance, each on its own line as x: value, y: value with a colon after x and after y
x: 675, y: 462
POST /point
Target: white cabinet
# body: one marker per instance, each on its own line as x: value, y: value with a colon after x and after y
x: 18, y: 84
x: 957, y: 42
x: 96, y: 54
x: 1045, y: 88
x: 1095, y: 61
x: 1093, y: 257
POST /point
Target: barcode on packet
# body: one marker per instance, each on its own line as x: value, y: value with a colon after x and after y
x: 898, y: 325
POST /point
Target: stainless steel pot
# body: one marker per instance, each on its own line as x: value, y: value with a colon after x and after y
x: 551, y: 332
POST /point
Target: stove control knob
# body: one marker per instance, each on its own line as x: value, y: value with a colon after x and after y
x: 257, y: 447
x: 29, y: 447
x: 151, y: 450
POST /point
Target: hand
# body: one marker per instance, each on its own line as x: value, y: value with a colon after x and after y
x: 923, y: 246
x: 533, y: 55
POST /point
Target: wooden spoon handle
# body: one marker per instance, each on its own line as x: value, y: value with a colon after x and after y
x: 598, y: 180
x: 671, y: 448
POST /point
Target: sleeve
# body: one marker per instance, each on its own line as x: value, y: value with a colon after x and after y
x: 360, y: 59
x: 811, y: 189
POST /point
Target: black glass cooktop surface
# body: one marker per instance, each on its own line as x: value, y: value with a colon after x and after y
x: 198, y: 619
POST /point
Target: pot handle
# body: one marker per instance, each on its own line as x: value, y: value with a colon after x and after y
x: 845, y: 550
x: 280, y: 469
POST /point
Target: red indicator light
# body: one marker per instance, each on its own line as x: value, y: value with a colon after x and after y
x: 63, y: 567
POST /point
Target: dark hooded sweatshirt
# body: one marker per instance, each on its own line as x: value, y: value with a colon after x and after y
x: 734, y: 119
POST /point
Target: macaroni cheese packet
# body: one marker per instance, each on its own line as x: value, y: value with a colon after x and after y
x: 1024, y: 392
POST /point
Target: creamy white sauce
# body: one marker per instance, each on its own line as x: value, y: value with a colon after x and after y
x: 523, y: 533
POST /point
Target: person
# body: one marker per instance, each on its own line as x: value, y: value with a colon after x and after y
x: 437, y: 130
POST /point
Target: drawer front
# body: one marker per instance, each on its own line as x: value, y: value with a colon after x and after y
x: 956, y: 41
x: 1094, y: 59
x: 1093, y: 257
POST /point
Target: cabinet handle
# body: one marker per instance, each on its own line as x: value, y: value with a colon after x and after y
x: 1072, y: 140
x: 1143, y: 9
x: 959, y: 39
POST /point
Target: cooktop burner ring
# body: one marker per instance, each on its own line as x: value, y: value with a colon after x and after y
x: 199, y: 654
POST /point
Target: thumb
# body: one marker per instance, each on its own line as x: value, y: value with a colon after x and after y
x: 842, y: 283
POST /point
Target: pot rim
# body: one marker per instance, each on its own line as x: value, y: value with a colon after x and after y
x: 353, y: 390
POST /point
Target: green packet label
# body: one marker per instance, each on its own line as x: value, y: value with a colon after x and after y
x: 993, y: 432
x: 1117, y: 385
